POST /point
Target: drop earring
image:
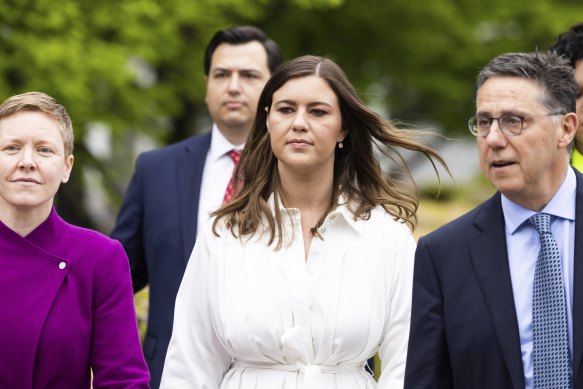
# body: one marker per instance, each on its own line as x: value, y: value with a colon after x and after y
x: 340, y: 145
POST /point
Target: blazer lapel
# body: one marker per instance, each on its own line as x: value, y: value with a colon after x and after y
x: 578, y: 285
x: 490, y: 259
x: 189, y: 168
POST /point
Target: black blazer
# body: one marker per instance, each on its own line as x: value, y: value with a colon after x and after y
x: 157, y: 228
x: 464, y: 330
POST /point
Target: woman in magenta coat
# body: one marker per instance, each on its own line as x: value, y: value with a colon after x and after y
x: 68, y: 319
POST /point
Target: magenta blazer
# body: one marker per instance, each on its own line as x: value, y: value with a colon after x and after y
x: 66, y: 307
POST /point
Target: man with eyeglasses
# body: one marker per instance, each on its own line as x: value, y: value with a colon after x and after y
x: 570, y: 46
x: 498, y: 292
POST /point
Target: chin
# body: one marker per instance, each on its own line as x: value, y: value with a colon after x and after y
x: 501, y: 184
x: 507, y: 189
x: 29, y: 202
x: 236, y: 119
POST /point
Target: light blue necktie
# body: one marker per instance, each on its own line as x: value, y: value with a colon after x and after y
x: 551, y: 361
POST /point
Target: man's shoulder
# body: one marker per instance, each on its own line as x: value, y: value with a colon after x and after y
x: 470, y: 222
x: 193, y: 144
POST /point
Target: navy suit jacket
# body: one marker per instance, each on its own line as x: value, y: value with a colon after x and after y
x: 464, y: 330
x: 157, y: 228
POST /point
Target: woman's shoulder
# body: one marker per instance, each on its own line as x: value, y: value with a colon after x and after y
x: 90, y: 245
x: 382, y: 222
x: 95, y: 257
x: 91, y: 237
x: 219, y: 231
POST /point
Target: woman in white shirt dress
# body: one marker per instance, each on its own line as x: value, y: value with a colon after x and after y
x: 307, y: 273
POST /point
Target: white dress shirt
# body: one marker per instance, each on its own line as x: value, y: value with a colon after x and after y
x: 250, y: 317
x: 217, y: 172
x: 523, y: 243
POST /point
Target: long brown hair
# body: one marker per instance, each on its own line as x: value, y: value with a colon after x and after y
x: 358, y: 175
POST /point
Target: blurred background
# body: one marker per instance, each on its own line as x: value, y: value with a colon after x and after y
x: 130, y: 72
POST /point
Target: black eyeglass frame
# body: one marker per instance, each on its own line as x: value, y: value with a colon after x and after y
x: 473, y: 127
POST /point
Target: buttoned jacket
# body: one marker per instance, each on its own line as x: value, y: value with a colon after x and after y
x: 67, y: 307
x: 464, y: 329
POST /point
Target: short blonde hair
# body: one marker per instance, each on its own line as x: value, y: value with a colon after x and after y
x: 41, y: 102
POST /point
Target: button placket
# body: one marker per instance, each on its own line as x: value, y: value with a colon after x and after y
x: 299, y: 285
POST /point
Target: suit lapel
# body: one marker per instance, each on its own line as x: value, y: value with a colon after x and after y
x: 189, y: 168
x: 578, y: 284
x: 490, y: 259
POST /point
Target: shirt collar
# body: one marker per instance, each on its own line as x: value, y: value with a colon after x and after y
x: 345, y: 211
x: 561, y: 205
x: 220, y: 146
x: 342, y: 211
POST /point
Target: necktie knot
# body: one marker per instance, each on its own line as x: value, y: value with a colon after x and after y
x: 235, y: 155
x: 541, y: 222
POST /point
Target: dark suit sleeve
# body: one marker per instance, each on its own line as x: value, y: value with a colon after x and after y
x: 427, y: 358
x: 129, y: 228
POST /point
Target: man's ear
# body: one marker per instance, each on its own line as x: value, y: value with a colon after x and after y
x: 569, y: 126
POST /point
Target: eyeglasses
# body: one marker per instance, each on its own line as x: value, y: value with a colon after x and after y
x: 509, y: 124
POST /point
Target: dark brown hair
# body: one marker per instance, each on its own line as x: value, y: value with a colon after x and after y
x: 238, y: 36
x: 358, y: 176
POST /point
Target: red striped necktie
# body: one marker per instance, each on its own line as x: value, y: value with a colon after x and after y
x: 230, y: 192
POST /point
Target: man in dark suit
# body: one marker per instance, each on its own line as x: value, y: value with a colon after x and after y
x: 481, y: 301
x: 174, y: 189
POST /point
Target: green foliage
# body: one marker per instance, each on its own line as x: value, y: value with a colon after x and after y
x: 318, y: 4
x: 423, y: 55
x: 136, y: 65
x: 133, y: 65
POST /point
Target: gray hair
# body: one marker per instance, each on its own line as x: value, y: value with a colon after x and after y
x: 551, y: 72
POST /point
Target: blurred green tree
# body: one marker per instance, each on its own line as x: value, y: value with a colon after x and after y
x: 134, y: 68
x: 131, y: 67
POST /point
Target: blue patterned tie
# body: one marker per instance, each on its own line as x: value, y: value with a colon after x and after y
x: 551, y: 361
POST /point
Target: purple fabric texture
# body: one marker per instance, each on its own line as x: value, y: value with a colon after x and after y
x: 67, y: 307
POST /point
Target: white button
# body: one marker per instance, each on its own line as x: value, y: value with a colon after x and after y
x: 62, y: 265
x: 324, y: 229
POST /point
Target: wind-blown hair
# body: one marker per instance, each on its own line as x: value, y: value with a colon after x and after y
x: 358, y: 176
x: 41, y: 102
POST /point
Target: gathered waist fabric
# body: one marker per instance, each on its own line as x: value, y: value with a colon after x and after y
x: 311, y: 374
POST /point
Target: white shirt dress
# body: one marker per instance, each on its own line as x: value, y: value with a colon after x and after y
x: 250, y: 317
